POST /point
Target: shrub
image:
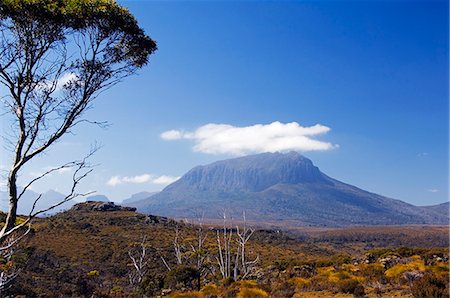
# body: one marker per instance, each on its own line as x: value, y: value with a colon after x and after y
x: 440, y: 269
x: 301, y: 283
x: 93, y: 273
x: 182, y: 276
x: 252, y: 293
x: 335, y: 260
x: 283, y: 290
x: 436, y: 255
x: 186, y: 295
x: 397, y: 271
x: 320, y: 283
x: 247, y: 283
x: 349, y: 286
x: 372, y: 272
x: 151, y: 285
x: 282, y: 265
x: 210, y: 290
x: 430, y: 286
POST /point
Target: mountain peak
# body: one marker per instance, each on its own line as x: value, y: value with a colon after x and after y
x: 253, y: 173
x: 280, y: 187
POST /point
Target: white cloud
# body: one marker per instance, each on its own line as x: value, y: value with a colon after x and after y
x: 165, y: 180
x: 227, y: 139
x: 433, y: 190
x: 172, y: 135
x: 115, y: 180
x: 139, y: 179
x: 64, y: 79
x: 60, y: 171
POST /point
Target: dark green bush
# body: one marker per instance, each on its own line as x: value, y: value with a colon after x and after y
x: 282, y: 265
x: 183, y: 277
x: 430, y: 286
x: 351, y: 286
x: 151, y: 285
x: 335, y: 260
x: 283, y: 290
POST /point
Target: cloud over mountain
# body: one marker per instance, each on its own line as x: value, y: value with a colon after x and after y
x: 227, y: 139
x: 139, y: 179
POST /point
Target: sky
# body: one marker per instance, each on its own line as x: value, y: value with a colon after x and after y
x: 359, y: 87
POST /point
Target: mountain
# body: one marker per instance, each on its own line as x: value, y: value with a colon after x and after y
x: 282, y: 189
x: 47, y: 199
x: 97, y: 198
x: 441, y: 209
x: 138, y: 197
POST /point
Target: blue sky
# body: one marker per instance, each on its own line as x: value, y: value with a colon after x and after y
x: 375, y: 73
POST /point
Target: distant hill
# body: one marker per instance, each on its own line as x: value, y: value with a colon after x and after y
x: 440, y: 209
x: 98, y: 198
x: 285, y: 189
x: 49, y: 198
x: 138, y: 197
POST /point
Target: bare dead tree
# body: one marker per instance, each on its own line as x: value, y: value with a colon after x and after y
x: 54, y: 61
x: 177, y: 246
x: 82, y: 169
x: 198, y: 251
x: 224, y: 248
x: 139, y: 258
x: 243, y: 237
x: 8, y: 269
x: 225, y: 242
x: 165, y: 262
x: 197, y: 248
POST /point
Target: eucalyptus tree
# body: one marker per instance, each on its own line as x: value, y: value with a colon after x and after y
x: 56, y: 57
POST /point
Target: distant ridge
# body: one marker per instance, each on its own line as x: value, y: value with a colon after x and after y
x: 138, y: 197
x: 441, y: 209
x: 49, y: 198
x: 280, y: 188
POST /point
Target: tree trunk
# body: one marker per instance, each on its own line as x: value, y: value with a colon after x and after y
x: 12, y: 208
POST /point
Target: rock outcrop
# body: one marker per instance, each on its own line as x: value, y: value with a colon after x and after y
x: 100, y: 206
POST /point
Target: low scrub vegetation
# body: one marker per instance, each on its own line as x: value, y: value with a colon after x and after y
x: 127, y: 254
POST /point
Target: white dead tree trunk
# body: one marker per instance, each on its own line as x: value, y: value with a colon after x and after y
x: 224, y: 248
x: 197, y: 248
x: 177, y: 247
x: 243, y: 238
x: 138, y: 256
x: 9, y: 271
x: 225, y: 241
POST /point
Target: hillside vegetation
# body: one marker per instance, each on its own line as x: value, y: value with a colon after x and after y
x: 86, y: 253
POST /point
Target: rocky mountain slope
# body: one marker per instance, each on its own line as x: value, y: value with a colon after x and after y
x: 283, y: 189
x: 441, y: 209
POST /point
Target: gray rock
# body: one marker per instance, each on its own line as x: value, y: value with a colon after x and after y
x: 100, y: 206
